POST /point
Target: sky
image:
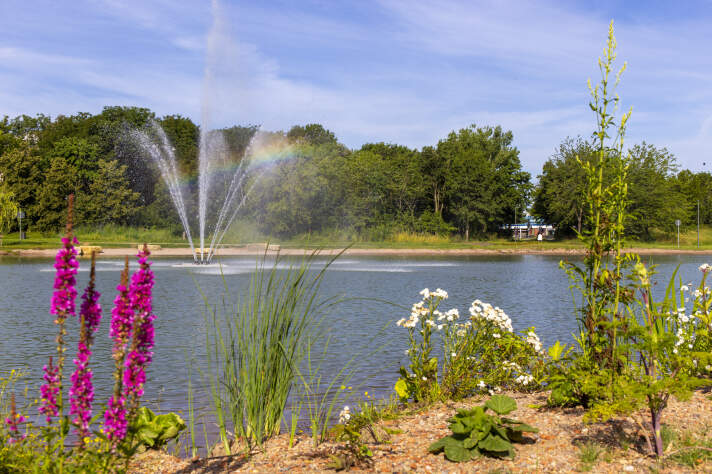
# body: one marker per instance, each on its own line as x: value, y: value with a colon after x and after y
x: 396, y: 71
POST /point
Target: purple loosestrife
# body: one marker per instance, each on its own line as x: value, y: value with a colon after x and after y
x: 141, y: 355
x: 81, y: 395
x: 121, y: 327
x: 61, y: 306
x: 50, y: 391
x: 13, y: 421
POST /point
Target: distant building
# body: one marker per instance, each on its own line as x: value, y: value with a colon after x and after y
x: 530, y: 229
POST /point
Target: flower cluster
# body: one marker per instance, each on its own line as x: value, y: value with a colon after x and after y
x: 81, y: 395
x: 344, y: 415
x: 115, y: 423
x: 534, y: 341
x: 13, y: 421
x: 486, y: 311
x: 49, y: 392
x: 66, y: 265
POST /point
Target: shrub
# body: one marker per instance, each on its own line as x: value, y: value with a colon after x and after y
x: 482, y: 354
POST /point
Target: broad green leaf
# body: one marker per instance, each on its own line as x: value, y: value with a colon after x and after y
x: 494, y: 444
x: 501, y: 404
x: 459, y: 428
x: 457, y: 453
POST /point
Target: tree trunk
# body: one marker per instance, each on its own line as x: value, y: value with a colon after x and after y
x: 580, y: 216
x: 657, y: 431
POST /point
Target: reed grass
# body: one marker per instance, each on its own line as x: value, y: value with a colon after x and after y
x: 254, y: 344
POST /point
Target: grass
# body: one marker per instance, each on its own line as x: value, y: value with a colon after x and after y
x: 122, y: 236
x: 689, y: 450
x: 589, y: 453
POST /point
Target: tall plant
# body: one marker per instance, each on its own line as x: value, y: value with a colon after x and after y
x: 254, y: 345
x: 600, y: 279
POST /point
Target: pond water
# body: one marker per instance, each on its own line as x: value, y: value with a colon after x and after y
x: 531, y: 289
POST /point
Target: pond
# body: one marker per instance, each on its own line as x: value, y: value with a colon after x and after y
x: 531, y: 289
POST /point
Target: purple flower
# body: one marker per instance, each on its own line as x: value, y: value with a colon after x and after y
x: 134, y: 375
x: 50, y: 391
x: 121, y: 321
x: 66, y: 264
x: 81, y: 395
x: 12, y: 423
x: 141, y: 299
x: 141, y: 355
x: 90, y: 311
x: 115, y: 419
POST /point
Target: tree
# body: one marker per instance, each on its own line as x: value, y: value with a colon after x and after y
x: 485, y: 181
x: 654, y: 203
x: 109, y: 198
x: 51, y: 205
x: 694, y: 188
x: 8, y: 207
x: 313, y: 133
x: 559, y: 195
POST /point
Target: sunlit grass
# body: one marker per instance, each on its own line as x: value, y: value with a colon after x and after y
x: 246, y: 233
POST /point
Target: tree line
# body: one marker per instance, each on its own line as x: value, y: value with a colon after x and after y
x: 469, y: 184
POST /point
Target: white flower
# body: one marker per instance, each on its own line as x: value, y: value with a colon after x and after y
x: 440, y: 327
x: 452, y: 314
x: 481, y: 384
x: 708, y: 368
x: 496, y: 335
x: 697, y: 293
x: 426, y: 293
x: 460, y: 332
x: 425, y: 379
x: 430, y: 322
x: 453, y: 355
x: 684, y: 288
x: 534, y: 341
x: 344, y: 415
x: 674, y: 351
x: 400, y: 322
x: 407, y: 351
x: 704, y: 268
x: 439, y: 293
x: 524, y: 379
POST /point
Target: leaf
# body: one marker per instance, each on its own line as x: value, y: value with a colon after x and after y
x: 519, y: 426
x: 401, y: 389
x: 459, y: 428
x: 440, y: 444
x: 457, y: 453
x: 494, y: 444
x: 471, y: 442
x: 501, y: 404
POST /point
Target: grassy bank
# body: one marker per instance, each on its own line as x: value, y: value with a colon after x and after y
x: 120, y: 237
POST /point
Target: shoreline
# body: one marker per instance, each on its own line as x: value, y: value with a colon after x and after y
x: 373, y: 252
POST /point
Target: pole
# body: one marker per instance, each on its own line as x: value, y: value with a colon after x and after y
x: 698, y: 223
x: 19, y: 214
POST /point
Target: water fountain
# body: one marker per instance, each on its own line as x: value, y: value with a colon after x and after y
x: 213, y: 149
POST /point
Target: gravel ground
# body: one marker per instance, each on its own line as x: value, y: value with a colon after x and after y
x: 553, y: 449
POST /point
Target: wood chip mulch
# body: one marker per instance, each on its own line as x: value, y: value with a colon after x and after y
x: 554, y: 449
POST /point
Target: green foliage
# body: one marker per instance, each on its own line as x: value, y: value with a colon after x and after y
x: 483, y: 354
x: 8, y: 206
x: 108, y: 198
x: 254, y: 343
x: 155, y: 431
x: 356, y: 452
x: 559, y: 198
x: 634, y: 352
x: 484, y: 181
x: 477, y: 433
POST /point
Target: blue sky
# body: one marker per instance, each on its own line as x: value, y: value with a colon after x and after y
x: 400, y: 71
